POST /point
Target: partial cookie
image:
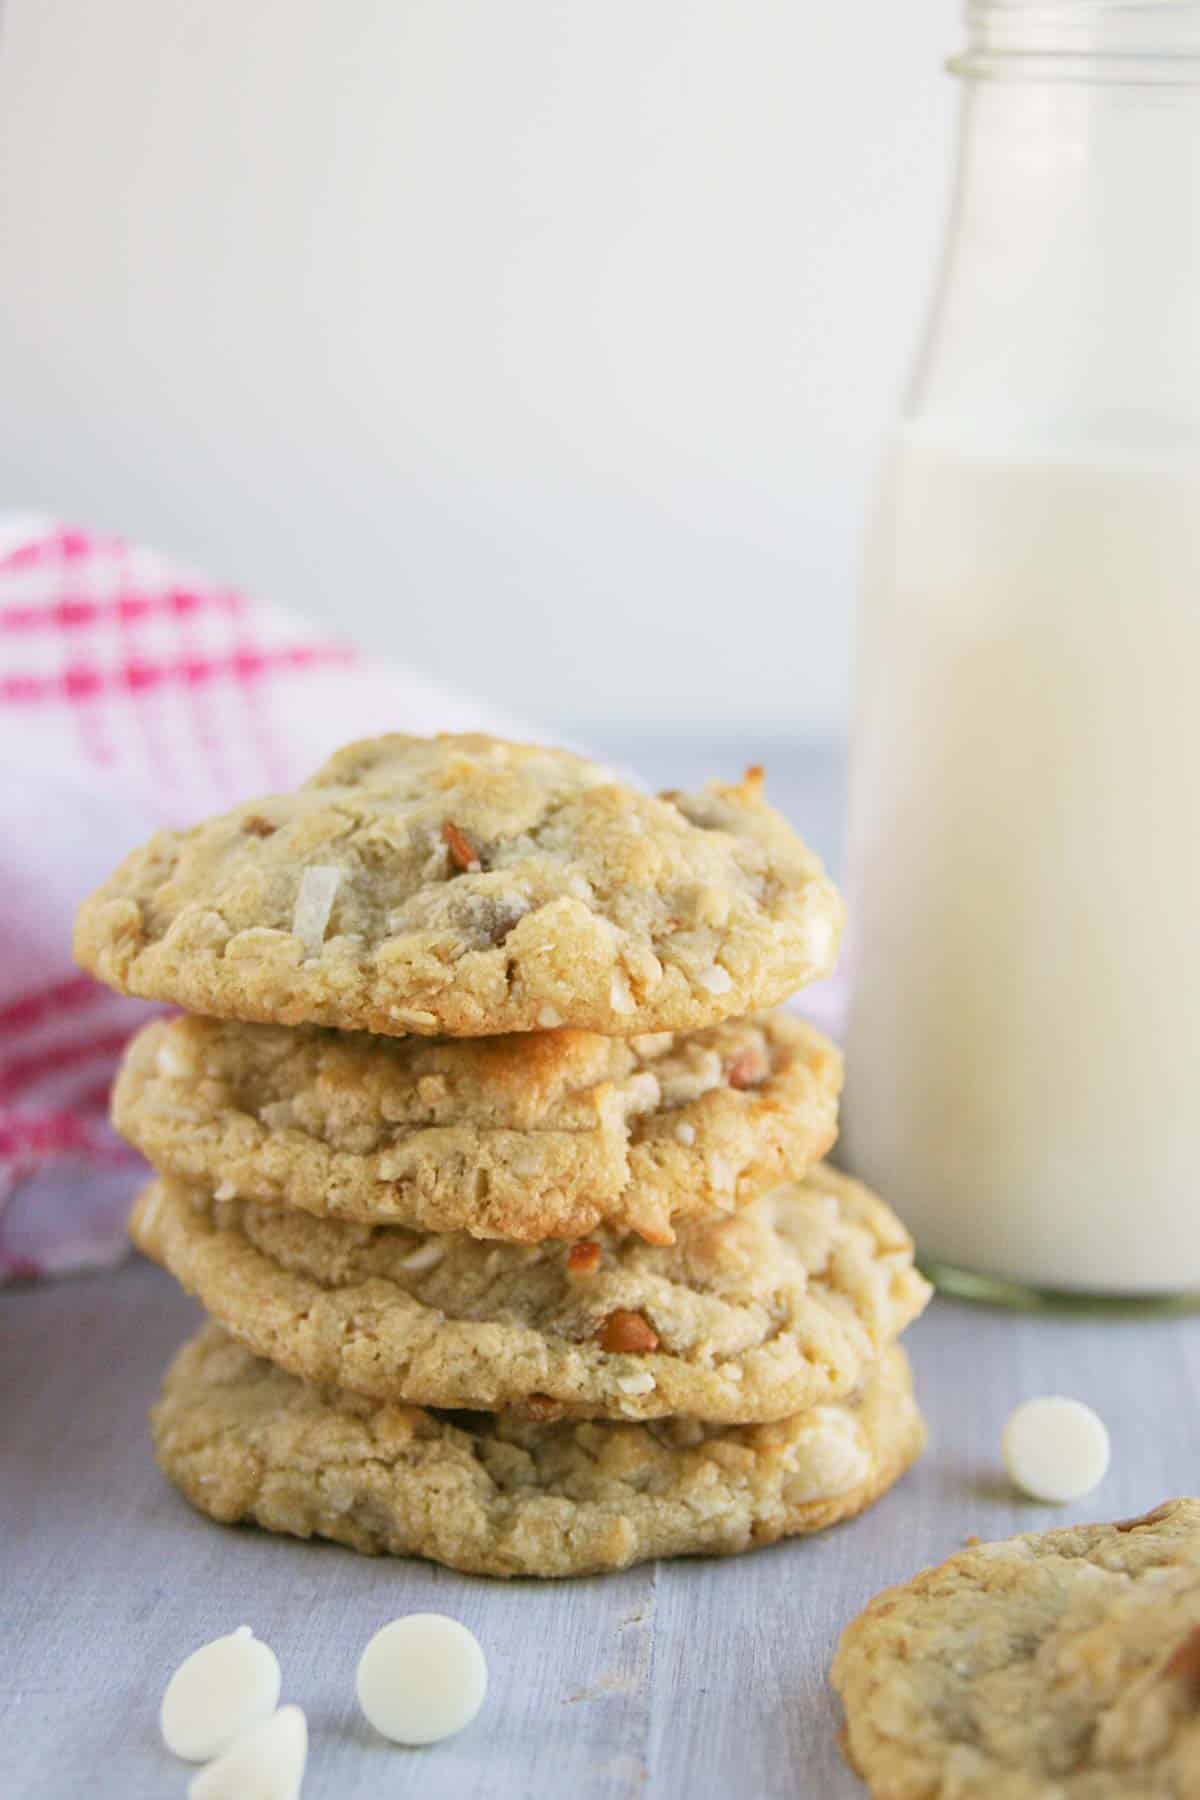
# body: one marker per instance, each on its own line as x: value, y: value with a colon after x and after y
x: 1060, y: 1666
x: 468, y: 886
x: 535, y: 1135
x: 746, y: 1317
x: 495, y: 1495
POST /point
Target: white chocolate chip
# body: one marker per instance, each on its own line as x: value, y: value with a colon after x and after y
x: 717, y: 980
x: 547, y: 1018
x: 218, y: 1692
x: 829, y: 1458
x: 265, y: 1763
x: 421, y: 1678
x: 416, y: 1016
x: 685, y: 1133
x: 225, y: 1190
x: 425, y: 1256
x: 1055, y: 1449
x: 620, y: 993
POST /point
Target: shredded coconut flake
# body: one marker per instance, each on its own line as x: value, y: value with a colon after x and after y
x: 621, y: 993
x: 225, y: 1191
x: 641, y: 1382
x: 720, y: 1173
x: 314, y: 903
x: 820, y: 939
x: 151, y: 1210
x: 425, y: 1256
x: 717, y: 980
x: 685, y: 1133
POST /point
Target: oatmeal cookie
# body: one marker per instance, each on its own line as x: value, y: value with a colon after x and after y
x: 1064, y: 1665
x: 534, y: 1135
x: 498, y: 1495
x: 748, y: 1316
x: 466, y: 886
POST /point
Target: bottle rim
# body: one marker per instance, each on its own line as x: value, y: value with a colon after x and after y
x: 1132, y: 42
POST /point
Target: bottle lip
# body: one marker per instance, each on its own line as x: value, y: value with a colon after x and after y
x: 1125, y: 41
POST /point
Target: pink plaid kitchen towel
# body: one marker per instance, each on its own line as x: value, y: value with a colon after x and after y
x: 132, y: 695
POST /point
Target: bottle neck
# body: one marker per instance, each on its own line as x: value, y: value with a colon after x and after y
x: 1067, y: 309
x: 1093, y: 41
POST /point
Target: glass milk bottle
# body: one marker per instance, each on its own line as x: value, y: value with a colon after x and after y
x: 1023, y: 1043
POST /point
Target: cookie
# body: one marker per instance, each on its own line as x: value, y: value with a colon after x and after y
x: 1060, y: 1666
x: 467, y: 886
x: 534, y: 1135
x: 748, y: 1316
x: 496, y: 1495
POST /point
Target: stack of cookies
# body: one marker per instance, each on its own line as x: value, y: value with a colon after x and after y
x: 497, y: 1178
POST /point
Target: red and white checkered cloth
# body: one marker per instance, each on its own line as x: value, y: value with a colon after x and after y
x: 132, y: 695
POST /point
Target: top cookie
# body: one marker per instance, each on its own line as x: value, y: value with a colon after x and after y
x: 466, y: 886
x: 1064, y: 1665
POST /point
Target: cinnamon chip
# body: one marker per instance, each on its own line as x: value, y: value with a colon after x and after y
x: 625, y: 1332
x: 583, y: 1259
x: 463, y: 853
x: 1183, y: 1664
x: 542, y: 1409
x: 1149, y: 1518
x: 257, y: 826
x: 748, y: 1070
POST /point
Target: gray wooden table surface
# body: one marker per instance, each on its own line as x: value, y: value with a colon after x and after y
x: 698, y: 1679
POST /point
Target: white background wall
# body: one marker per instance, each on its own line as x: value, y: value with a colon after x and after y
x: 548, y: 343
